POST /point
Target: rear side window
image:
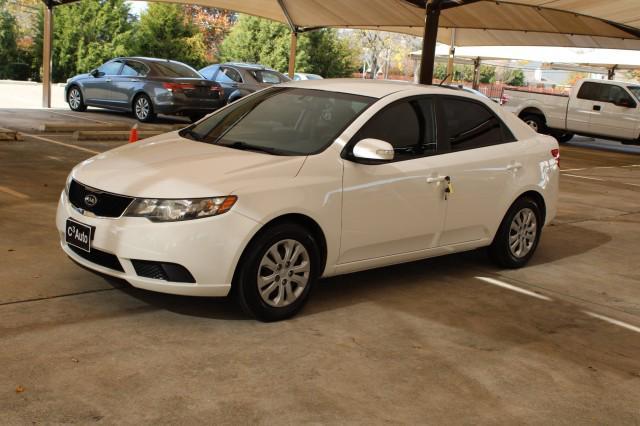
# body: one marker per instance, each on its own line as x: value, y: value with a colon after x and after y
x: 228, y: 75
x: 471, y: 125
x: 407, y: 125
x: 134, y: 69
x: 269, y: 77
x: 589, y: 91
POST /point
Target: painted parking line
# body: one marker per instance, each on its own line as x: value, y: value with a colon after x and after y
x: 572, y: 170
x: 14, y: 193
x: 585, y: 177
x: 614, y: 321
x: 82, y: 118
x: 79, y: 148
x: 513, y: 288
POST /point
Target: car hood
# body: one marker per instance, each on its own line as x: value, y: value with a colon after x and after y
x: 169, y: 166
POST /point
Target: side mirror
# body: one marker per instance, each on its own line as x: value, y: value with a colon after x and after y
x: 94, y: 72
x: 373, y: 149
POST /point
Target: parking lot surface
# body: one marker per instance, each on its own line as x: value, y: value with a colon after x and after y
x: 446, y: 340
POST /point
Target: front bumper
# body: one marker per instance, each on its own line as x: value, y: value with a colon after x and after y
x: 208, y: 248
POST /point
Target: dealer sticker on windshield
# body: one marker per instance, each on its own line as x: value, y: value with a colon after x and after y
x: 78, y: 235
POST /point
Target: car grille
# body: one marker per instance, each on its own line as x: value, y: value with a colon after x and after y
x: 107, y: 205
x: 162, y: 271
x: 99, y: 257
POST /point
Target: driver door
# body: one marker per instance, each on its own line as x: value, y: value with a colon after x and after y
x: 396, y: 207
x: 97, y: 89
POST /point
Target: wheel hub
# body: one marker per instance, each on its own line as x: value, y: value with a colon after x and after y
x: 283, y: 273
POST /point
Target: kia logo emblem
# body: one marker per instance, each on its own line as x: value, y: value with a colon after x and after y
x: 90, y: 200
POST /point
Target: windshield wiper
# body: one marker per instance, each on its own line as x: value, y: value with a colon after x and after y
x: 248, y: 147
x: 188, y: 132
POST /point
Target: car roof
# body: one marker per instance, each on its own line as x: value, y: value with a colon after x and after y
x: 147, y: 59
x: 372, y: 88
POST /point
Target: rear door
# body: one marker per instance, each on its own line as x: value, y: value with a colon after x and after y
x: 125, y: 83
x: 482, y: 162
x: 395, y: 207
x: 98, y: 90
x: 230, y: 80
x: 580, y: 108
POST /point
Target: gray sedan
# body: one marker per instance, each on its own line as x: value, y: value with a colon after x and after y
x: 146, y: 87
x: 239, y: 79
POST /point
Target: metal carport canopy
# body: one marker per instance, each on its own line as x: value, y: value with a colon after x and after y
x: 613, y: 24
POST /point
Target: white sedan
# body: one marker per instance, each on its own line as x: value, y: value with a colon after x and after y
x: 307, y: 180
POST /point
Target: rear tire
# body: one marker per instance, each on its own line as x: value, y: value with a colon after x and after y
x: 75, y: 99
x: 277, y: 272
x: 518, y: 235
x: 143, y: 108
x: 535, y: 122
x: 562, y: 137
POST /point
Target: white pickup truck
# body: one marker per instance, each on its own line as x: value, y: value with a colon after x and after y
x: 600, y: 108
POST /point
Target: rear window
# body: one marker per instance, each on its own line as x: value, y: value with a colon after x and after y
x: 175, y: 69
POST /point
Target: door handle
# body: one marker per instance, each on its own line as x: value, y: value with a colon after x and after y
x: 107, y: 80
x: 436, y: 179
x: 597, y: 107
x: 514, y: 166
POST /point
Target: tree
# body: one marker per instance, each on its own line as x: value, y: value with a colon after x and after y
x: 516, y: 79
x: 86, y: 34
x: 8, y: 35
x: 214, y: 24
x: 262, y: 41
x: 165, y: 31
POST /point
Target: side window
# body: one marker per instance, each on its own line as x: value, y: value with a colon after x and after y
x: 407, y: 125
x: 617, y: 94
x: 471, y: 125
x: 134, y: 69
x: 228, y: 75
x: 110, y: 68
x: 209, y: 72
x: 589, y: 91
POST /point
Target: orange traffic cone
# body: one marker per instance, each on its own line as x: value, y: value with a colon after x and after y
x: 133, y: 135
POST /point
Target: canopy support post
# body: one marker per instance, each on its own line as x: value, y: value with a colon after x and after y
x: 476, y: 73
x: 427, y: 61
x: 292, y: 53
x: 611, y: 72
x: 452, y: 55
x: 46, y: 54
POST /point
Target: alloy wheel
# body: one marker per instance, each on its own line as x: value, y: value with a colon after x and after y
x: 522, y: 232
x: 75, y: 98
x: 283, y: 273
x: 142, y: 108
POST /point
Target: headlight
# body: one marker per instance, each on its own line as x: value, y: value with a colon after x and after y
x: 67, y: 185
x: 161, y: 210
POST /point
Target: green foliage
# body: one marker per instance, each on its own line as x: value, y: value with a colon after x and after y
x: 257, y: 40
x: 8, y: 35
x: 164, y: 32
x: 465, y: 73
x: 86, y: 34
x: 516, y: 78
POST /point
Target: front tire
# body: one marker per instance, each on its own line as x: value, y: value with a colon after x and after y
x: 75, y: 99
x: 564, y: 137
x: 143, y: 108
x: 518, y: 235
x: 277, y: 272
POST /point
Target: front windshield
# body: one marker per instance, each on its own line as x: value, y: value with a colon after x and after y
x: 284, y: 121
x: 635, y: 90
